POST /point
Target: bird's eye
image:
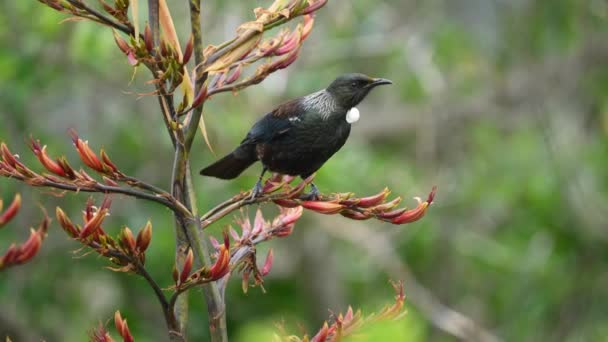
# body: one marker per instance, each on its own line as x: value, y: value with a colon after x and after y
x: 354, y: 85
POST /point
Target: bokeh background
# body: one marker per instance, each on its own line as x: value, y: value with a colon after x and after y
x: 501, y: 104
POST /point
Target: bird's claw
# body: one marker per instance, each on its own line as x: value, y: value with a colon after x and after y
x: 313, y: 195
x: 256, y: 191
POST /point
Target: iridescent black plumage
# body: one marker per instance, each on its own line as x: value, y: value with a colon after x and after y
x: 299, y: 136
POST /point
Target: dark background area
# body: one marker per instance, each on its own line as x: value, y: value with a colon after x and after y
x: 501, y: 104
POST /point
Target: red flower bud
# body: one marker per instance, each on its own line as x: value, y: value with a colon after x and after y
x: 148, y: 39
x: 187, y: 268
x: 144, y: 237
x: 355, y: 215
x: 226, y: 240
x: 199, y: 98
x: 235, y: 74
x: 288, y: 216
x: 11, y: 211
x: 29, y: 248
x: 327, y: 208
x: 391, y: 214
x: 92, y: 225
x: 268, y: 263
x: 188, y: 50
x: 287, y: 203
x: 222, y: 264
x: 321, y: 336
x: 122, y: 44
x: 411, y: 215
x: 366, y: 202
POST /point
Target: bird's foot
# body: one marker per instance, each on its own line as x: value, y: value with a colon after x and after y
x: 257, y: 190
x: 313, y: 195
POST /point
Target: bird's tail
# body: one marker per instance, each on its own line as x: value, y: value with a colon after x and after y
x: 231, y: 165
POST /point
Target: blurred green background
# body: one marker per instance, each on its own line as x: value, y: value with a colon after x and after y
x: 501, y: 104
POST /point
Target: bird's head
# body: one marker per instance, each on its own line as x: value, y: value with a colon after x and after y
x: 349, y: 90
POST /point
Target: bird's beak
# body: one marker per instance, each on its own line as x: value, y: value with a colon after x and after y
x: 379, y: 81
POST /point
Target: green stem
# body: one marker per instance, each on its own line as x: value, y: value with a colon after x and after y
x: 188, y: 234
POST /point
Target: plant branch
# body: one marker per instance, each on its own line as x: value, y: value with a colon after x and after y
x: 140, y: 269
x: 161, y: 197
x: 100, y: 17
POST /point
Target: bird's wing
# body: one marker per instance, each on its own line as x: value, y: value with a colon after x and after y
x: 274, y: 124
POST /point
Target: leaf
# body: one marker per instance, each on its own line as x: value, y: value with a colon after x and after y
x: 201, y: 125
x: 135, y: 14
x: 166, y: 23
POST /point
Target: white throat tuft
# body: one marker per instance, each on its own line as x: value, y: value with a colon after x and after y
x: 352, y: 115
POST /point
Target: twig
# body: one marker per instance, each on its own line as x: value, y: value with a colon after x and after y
x: 101, y: 18
x: 140, y: 269
x: 161, y: 197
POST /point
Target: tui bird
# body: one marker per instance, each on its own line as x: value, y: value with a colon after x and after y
x: 300, y: 135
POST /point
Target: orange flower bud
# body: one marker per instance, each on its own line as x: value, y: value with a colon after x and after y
x: 327, y: 208
x: 118, y: 322
x: 122, y: 327
x: 70, y: 173
x: 416, y: 213
x: 86, y: 154
x: 11, y: 211
x: 66, y: 224
x: 45, y: 160
x: 187, y: 268
x: 7, y: 156
x: 107, y: 162
x: 127, y: 239
x: 144, y: 237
